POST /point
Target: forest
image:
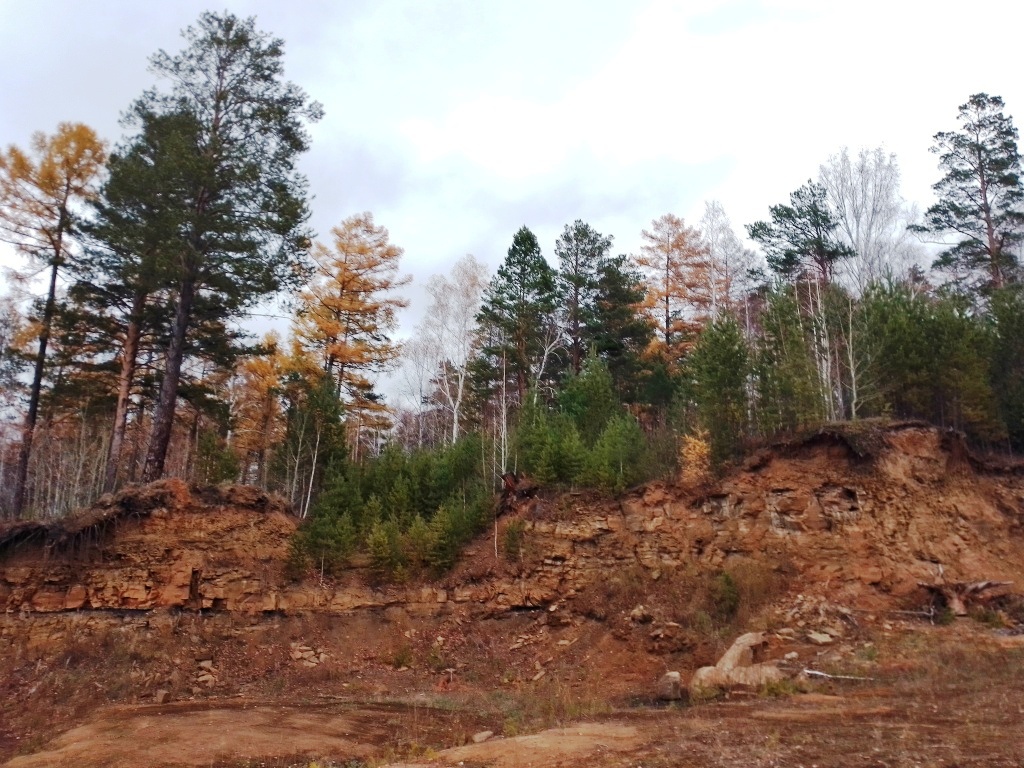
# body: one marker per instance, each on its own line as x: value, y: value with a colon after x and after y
x: 588, y: 369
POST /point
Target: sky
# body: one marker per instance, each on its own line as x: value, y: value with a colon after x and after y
x: 457, y: 122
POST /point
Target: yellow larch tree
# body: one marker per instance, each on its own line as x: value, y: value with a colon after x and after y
x: 674, y: 261
x: 348, y: 312
x: 39, y: 191
x: 256, y: 409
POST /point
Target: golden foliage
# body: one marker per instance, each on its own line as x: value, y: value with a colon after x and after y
x: 695, y: 459
x: 348, y: 311
x: 256, y: 407
x: 676, y: 264
x: 37, y: 191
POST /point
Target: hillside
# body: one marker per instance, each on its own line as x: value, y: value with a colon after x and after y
x: 178, y: 600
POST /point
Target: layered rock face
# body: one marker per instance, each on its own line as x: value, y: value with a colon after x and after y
x: 862, y: 528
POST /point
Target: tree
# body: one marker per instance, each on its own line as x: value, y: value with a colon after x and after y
x: 517, y: 317
x: 449, y: 332
x: 980, y: 197
x: 618, y: 326
x: 719, y: 367
x: 674, y: 261
x: 729, y: 262
x: 132, y: 241
x: 801, y: 239
x: 243, y: 232
x: 38, y: 196
x: 864, y: 195
x: 347, y: 312
x: 581, y: 251
x: 257, y: 414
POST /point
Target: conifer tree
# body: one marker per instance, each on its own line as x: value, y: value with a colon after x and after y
x: 39, y: 193
x: 243, y: 233
x: 801, y: 240
x: 675, y: 263
x: 581, y: 252
x: 348, y: 311
x: 981, y: 196
x: 517, y: 320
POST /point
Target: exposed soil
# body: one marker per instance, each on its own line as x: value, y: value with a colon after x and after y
x: 162, y: 627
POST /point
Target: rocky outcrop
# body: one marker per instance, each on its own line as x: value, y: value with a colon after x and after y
x: 863, y: 527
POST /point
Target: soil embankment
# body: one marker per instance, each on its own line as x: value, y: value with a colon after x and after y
x: 172, y: 608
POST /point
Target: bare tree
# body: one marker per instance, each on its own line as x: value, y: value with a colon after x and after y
x: 864, y: 194
x: 729, y: 280
x: 449, y: 331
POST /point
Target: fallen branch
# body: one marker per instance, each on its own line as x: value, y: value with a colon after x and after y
x: 825, y: 675
x: 958, y: 594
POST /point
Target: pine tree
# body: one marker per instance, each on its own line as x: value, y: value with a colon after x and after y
x: 517, y: 323
x: 581, y: 252
x: 981, y: 196
x: 244, y: 233
x: 618, y: 326
x: 801, y: 240
x: 719, y: 367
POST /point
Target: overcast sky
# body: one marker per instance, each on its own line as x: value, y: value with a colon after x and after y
x: 457, y: 122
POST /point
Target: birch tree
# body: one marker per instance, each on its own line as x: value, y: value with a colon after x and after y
x: 873, y: 218
x: 450, y: 331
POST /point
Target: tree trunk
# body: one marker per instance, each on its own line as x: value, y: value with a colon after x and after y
x: 124, y: 389
x: 28, y: 431
x: 163, y: 416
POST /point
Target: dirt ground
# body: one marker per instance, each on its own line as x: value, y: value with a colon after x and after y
x: 933, y: 697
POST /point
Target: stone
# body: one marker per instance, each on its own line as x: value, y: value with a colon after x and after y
x: 640, y: 615
x: 738, y: 669
x: 670, y: 687
x: 792, y: 656
x: 745, y: 650
x: 481, y: 737
x: 819, y: 638
x: 206, y: 664
x: 161, y: 695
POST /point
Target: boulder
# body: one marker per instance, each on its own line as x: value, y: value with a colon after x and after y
x: 670, y: 687
x: 739, y: 668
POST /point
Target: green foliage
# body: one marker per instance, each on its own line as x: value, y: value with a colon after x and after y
x: 617, y: 326
x: 384, y: 545
x: 931, y: 359
x: 330, y: 535
x: 379, y: 506
x: 801, y: 238
x: 238, y: 201
x: 1007, y: 359
x: 719, y: 367
x: 314, y: 439
x: 980, y: 197
x: 518, y: 313
x: 215, y: 461
x: 513, y: 539
x: 617, y: 460
x: 418, y: 543
x: 787, y: 384
x: 724, y: 597
x: 581, y: 253
x: 589, y: 399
